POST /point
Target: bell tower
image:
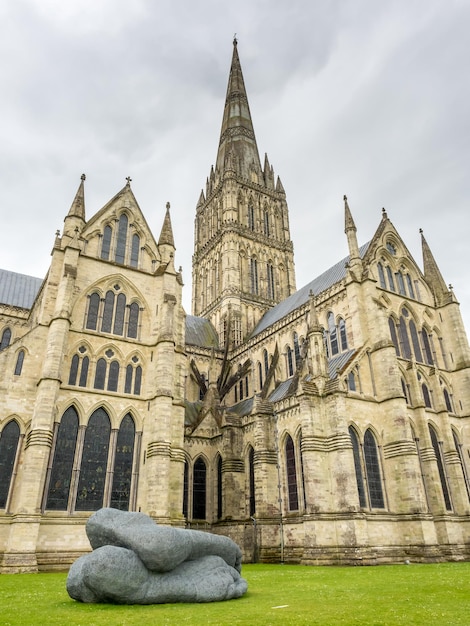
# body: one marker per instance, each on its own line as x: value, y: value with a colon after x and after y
x: 243, y: 261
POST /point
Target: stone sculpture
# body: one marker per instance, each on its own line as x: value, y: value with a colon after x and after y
x: 135, y: 561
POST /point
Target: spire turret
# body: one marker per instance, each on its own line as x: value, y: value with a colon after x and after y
x: 355, y: 263
x: 166, y: 242
x: 237, y: 134
x: 75, y: 219
x: 433, y: 276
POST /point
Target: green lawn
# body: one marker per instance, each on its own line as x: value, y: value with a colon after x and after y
x: 404, y: 595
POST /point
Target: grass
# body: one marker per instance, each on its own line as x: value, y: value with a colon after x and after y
x: 398, y: 595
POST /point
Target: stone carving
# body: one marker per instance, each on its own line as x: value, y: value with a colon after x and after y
x: 135, y: 561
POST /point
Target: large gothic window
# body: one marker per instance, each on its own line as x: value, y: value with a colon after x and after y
x: 94, y: 463
x: 122, y: 475
x: 251, y: 480
x: 62, y: 464
x: 291, y: 473
x: 199, y: 489
x: 374, y: 480
x: 441, y: 468
x: 358, y: 467
x: 9, y: 438
x: 113, y: 314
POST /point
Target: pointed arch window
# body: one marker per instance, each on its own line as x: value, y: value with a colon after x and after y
x: 133, y: 324
x: 108, y: 312
x: 296, y: 350
x: 332, y: 332
x: 251, y: 480
x: 391, y: 283
x: 266, y: 362
x: 458, y: 447
x: 290, y: 362
x: 358, y: 467
x: 260, y: 375
x: 93, y: 467
x: 448, y: 401
x: 93, y: 309
x: 409, y: 282
x: 185, y: 489
x: 406, y: 391
x: 113, y: 378
x: 254, y: 276
x: 415, y: 342
x: 426, y: 396
x: 400, y: 283
x: 441, y: 468
x: 120, y: 255
x: 351, y: 381
x: 100, y: 374
x: 123, y: 462
x: 106, y: 243
x: 266, y: 223
x: 270, y: 277
x: 291, y: 473
x: 9, y: 440
x: 199, y: 489
x: 6, y: 338
x: 380, y: 268
x: 342, y: 334
x: 427, y: 347
x: 78, y: 364
x: 135, y: 250
x: 219, y: 487
x: 62, y: 463
x: 251, y: 217
x: 19, y: 363
x: 374, y: 479
x: 393, y: 335
x: 118, y: 327
x: 404, y: 338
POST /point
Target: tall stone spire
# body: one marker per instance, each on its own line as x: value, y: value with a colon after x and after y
x: 433, y: 276
x: 355, y: 263
x: 237, y: 136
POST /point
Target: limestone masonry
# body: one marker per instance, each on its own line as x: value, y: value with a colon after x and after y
x: 329, y: 424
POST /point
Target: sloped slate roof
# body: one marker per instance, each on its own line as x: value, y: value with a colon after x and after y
x: 18, y: 289
x: 333, y: 275
x: 200, y: 332
x: 338, y: 363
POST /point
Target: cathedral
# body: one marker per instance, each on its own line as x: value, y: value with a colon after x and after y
x: 323, y: 425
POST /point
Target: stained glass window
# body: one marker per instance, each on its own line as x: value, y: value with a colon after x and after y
x: 358, y: 467
x: 106, y: 245
x: 199, y: 489
x: 128, y: 382
x: 19, y: 363
x: 84, y: 372
x: 343, y: 335
x: 73, y: 370
x: 441, y: 469
x: 251, y: 477
x: 121, y: 242
x: 62, y: 464
x: 94, y: 463
x: 381, y: 276
x: 393, y: 334
x: 100, y: 374
x: 133, y: 320
x: 6, y: 337
x: 113, y: 378
x: 9, y: 438
x: 292, y: 492
x: 374, y: 480
x: 122, y: 478
x: 135, y: 250
x: 93, y: 308
x: 138, y: 380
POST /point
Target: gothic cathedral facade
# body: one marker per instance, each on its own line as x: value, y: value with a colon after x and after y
x: 329, y: 424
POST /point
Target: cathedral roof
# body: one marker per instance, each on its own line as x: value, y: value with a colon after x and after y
x: 333, y: 275
x: 200, y: 332
x: 18, y: 289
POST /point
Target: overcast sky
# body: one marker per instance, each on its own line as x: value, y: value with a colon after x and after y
x: 357, y: 97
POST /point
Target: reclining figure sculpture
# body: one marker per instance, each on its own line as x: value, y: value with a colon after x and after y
x: 135, y: 561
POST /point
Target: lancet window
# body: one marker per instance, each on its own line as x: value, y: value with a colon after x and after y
x: 120, y: 245
x: 9, y: 445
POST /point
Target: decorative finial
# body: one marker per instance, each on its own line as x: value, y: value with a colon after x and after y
x: 420, y: 231
x: 83, y: 177
x: 450, y: 287
x: 129, y: 179
x: 167, y: 206
x: 345, y: 198
x: 235, y: 41
x: 384, y: 214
